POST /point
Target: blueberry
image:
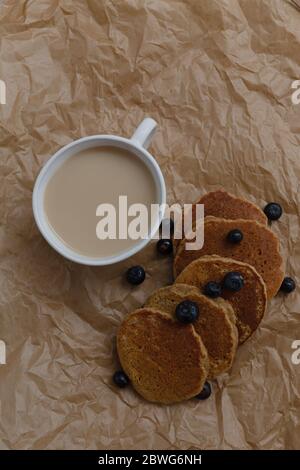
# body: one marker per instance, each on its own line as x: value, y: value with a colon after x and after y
x: 167, y: 226
x: 164, y: 246
x: 273, y: 211
x: 135, y: 275
x: 288, y: 285
x: 235, y: 236
x: 205, y: 392
x: 187, y: 311
x: 212, y: 289
x: 233, y: 281
x: 120, y: 379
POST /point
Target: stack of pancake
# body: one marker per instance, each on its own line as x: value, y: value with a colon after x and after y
x: 168, y: 361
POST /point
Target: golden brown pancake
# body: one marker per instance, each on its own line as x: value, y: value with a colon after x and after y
x: 165, y: 360
x: 224, y: 205
x: 214, y: 324
x: 259, y: 248
x: 249, y: 303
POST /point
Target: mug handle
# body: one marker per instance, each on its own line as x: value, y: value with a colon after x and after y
x: 144, y: 132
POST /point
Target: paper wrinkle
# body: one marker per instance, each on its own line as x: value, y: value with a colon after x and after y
x: 217, y: 78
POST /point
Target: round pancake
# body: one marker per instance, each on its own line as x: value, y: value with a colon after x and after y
x: 224, y: 205
x: 165, y: 360
x: 214, y: 324
x: 259, y: 248
x: 249, y: 303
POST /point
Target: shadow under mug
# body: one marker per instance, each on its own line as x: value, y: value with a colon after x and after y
x: 137, y: 146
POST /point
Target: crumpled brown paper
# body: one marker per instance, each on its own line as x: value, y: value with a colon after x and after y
x: 217, y: 77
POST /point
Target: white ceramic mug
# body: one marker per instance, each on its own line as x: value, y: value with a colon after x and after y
x: 137, y: 146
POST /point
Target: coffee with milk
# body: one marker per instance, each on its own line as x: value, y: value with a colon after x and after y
x: 86, y: 179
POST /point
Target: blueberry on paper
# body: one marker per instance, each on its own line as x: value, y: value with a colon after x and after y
x: 120, y: 379
x: 135, y: 275
x: 273, y: 211
x: 288, y: 285
x: 205, y: 392
x: 164, y: 246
